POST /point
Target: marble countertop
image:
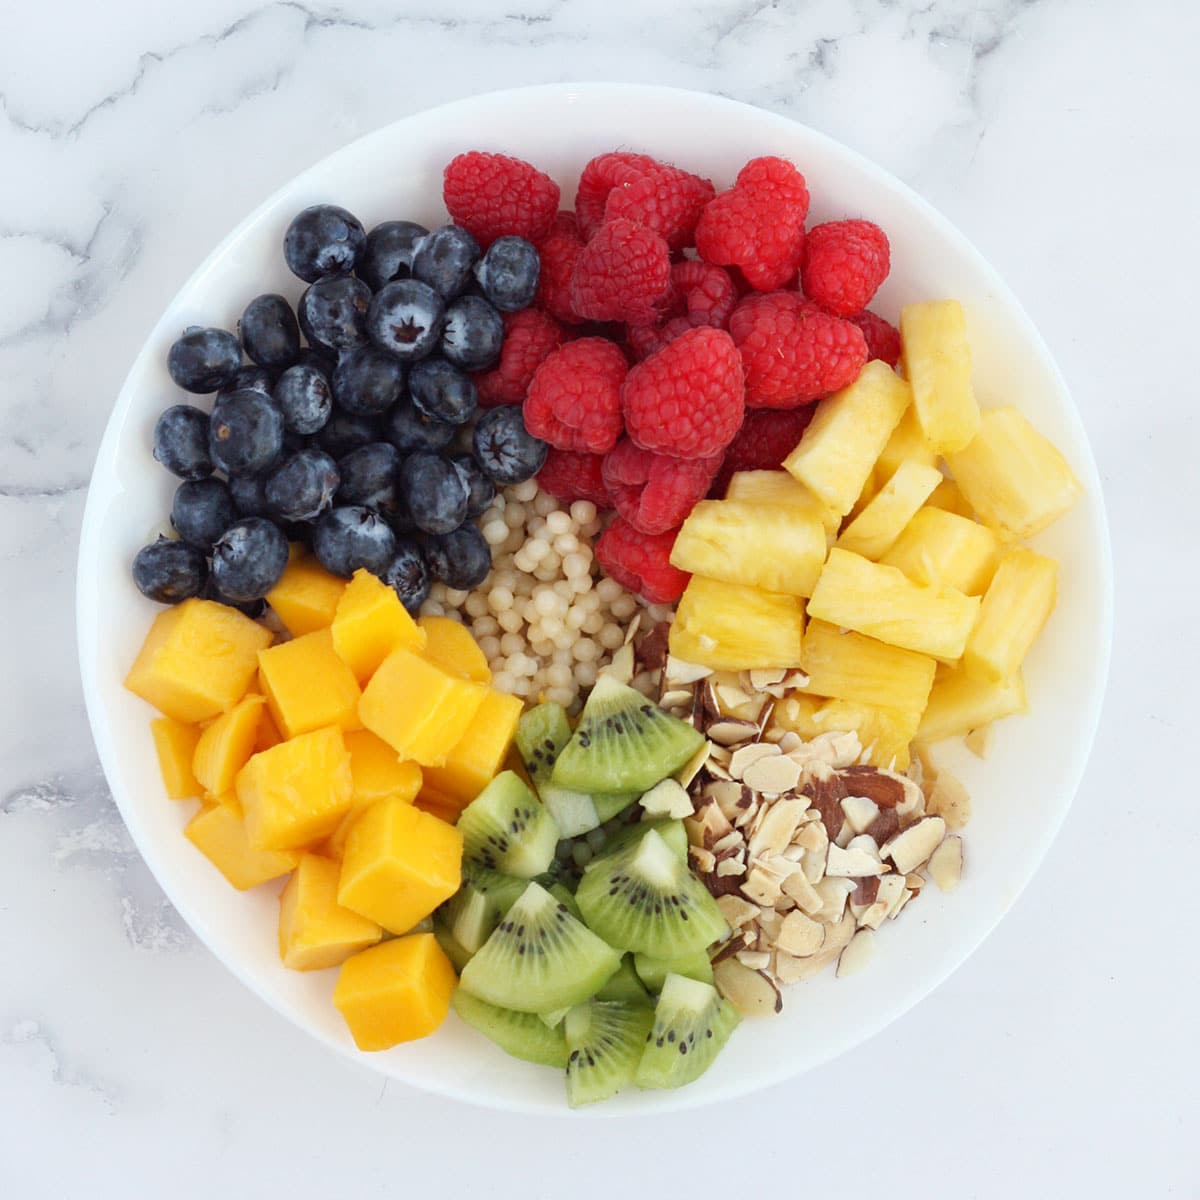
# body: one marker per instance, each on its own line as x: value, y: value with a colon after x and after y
x: 1056, y: 134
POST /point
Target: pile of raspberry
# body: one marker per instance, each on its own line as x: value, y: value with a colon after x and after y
x: 680, y: 334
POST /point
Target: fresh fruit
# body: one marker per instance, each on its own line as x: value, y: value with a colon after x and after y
x: 175, y: 746
x: 201, y: 511
x: 604, y: 1040
x: 530, y: 337
x: 559, y: 251
x: 906, y: 445
x: 729, y: 626
x: 844, y: 264
x: 691, y: 1025
x: 249, y: 559
x: 624, y: 985
x: 302, y: 488
x: 958, y: 703
x: 344, y: 432
x: 375, y: 771
x: 569, y: 476
x: 245, y: 433
x: 349, y: 537
x: 778, y: 487
x: 672, y: 832
x: 476, y: 758
x: 1015, y: 608
x: 505, y: 449
x: 947, y: 496
x: 408, y: 574
x: 405, y: 318
x: 939, y: 547
x: 494, y: 194
x: 370, y: 622
x: 641, y: 562
x: 461, y: 558
x: 653, y: 972
x: 442, y: 392
x: 181, y: 442
x: 849, y: 666
x: 877, y: 527
x: 170, y: 572
x: 506, y: 828
x: 367, y: 381
x: 389, y: 252
x: 449, y: 644
x: 882, y: 337
x: 204, y: 360
x: 472, y: 334
x: 478, y: 906
x: 937, y: 364
x: 634, y: 186
x: 306, y: 597
x: 885, y: 733
x: 654, y: 492
x: 307, y: 685
x: 370, y: 476
x: 444, y: 259
x: 481, y: 491
x: 766, y: 438
x: 226, y: 744
x: 508, y: 273
x: 333, y: 313
x: 323, y: 239
x: 219, y: 833
x: 521, y: 1035
x: 622, y: 273
x: 408, y: 429
x: 315, y: 931
x: 574, y: 399
x: 269, y: 332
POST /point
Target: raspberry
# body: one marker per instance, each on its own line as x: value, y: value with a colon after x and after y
x: 621, y: 274
x: 766, y: 438
x: 599, y: 177
x: 574, y: 401
x: 491, y: 195
x: 703, y: 293
x: 792, y: 352
x: 844, y: 264
x: 653, y: 492
x: 558, y: 250
x: 529, y: 337
x: 687, y: 399
x: 758, y: 224
x: 645, y: 340
x: 641, y: 562
x: 569, y: 476
x: 883, y: 338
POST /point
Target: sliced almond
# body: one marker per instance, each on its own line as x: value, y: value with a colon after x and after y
x: 950, y: 800
x: 789, y: 969
x: 702, y: 860
x: 979, y: 741
x: 736, y: 910
x: 668, y: 798
x: 805, y: 895
x: 834, y: 893
x: 770, y: 922
x: 790, y: 741
x: 857, y: 954
x: 839, y: 750
x: 860, y: 812
x: 799, y: 935
x: 621, y: 668
x: 730, y: 731
x: 773, y: 775
x: 891, y: 892
x: 730, y: 867
x: 872, y: 915
x: 764, y: 677
x: 914, y: 803
x: 914, y: 882
x: 694, y: 765
x: 732, y: 699
x: 794, y: 679
x: 905, y: 897
x: 709, y: 824
x: 852, y: 862
x: 750, y: 992
x: 885, y: 789
x: 908, y: 850
x: 756, y: 960
x: 675, y: 670
x: 794, y: 853
x: 726, y: 794
x: 760, y: 887
x: 813, y: 864
x: 634, y: 626
x: 729, y: 844
x: 677, y: 700
x: 747, y: 755
x: 778, y: 825
x: 946, y: 863
x: 812, y: 836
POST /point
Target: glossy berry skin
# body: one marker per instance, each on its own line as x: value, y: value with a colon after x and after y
x: 269, y: 331
x: 481, y: 491
x: 344, y: 432
x: 181, y: 442
x: 408, y: 430
x: 508, y: 273
x: 204, y: 360
x: 248, y: 559
x: 389, y: 253
x: 405, y: 318
x: 305, y: 399
x: 333, y: 313
x: 441, y: 391
x: 249, y: 494
x: 319, y: 360
x: 444, y: 260
x: 434, y: 493
x: 504, y: 449
x: 473, y: 334
x: 321, y: 240
x: 460, y: 559
x: 245, y: 433
x: 349, y: 537
x: 370, y: 477
x: 367, y: 381
x: 169, y: 572
x: 252, y: 378
x: 201, y: 511
x: 408, y: 574
x: 303, y: 487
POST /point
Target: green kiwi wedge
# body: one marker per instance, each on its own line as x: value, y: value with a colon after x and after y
x: 654, y: 971
x: 458, y: 956
x: 672, y: 832
x: 476, y: 908
x: 506, y: 828
x: 605, y: 1041
x: 520, y: 1034
x: 624, y: 985
x: 691, y: 1024
x: 566, y: 898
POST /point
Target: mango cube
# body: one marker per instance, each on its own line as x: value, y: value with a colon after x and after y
x: 296, y: 792
x: 395, y: 992
x: 1015, y: 607
x: 306, y: 597
x: 315, y: 931
x: 197, y: 660
x: 399, y: 864
x: 175, y: 745
x: 937, y: 362
x: 479, y: 755
x: 378, y: 774
x: 225, y: 745
x: 450, y: 645
x: 219, y: 833
x: 307, y: 685
x: 370, y: 623
x: 268, y: 734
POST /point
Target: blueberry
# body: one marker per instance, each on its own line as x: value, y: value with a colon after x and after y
x: 508, y: 273
x: 302, y: 488
x: 252, y: 378
x: 351, y: 536
x: 201, y: 511
x: 434, y: 493
x: 371, y: 477
x: 204, y: 360
x: 250, y: 608
x: 321, y: 240
x: 409, y: 575
x: 473, y: 334
x: 305, y: 398
x: 169, y: 571
x: 408, y: 430
x: 248, y: 559
x: 345, y: 432
x: 481, y: 491
x: 269, y: 332
x: 249, y: 494
x: 406, y: 318
x: 505, y: 449
x: 440, y: 390
x: 444, y: 260
x: 181, y: 442
x: 367, y: 381
x: 460, y: 559
x: 319, y: 360
x: 389, y: 252
x: 245, y: 433
x: 333, y: 313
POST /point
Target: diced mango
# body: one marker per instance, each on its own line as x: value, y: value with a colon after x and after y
x: 728, y: 626
x: 378, y: 774
x: 948, y: 496
x: 219, y: 833
x: 268, y: 734
x: 436, y: 807
x: 399, y: 864
x: 479, y: 755
x: 937, y: 363
x: 315, y: 931
x: 419, y: 709
x: 849, y: 666
x: 450, y: 645
x: 197, y: 660
x: 226, y: 744
x: 296, y: 793
x: 1015, y: 607
x: 778, y: 487
x: 874, y: 531
x: 306, y: 597
x: 395, y: 992
x: 370, y: 623
x: 175, y: 745
x: 959, y: 704
x: 940, y: 547
x: 307, y: 685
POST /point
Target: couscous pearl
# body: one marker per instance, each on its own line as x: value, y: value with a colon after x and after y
x: 500, y: 599
x: 558, y: 522
x: 477, y: 604
x: 502, y: 681
x: 455, y: 597
x: 536, y: 549
x: 510, y: 621
x: 563, y: 589
x: 593, y: 624
x: 542, y: 648
x: 512, y: 643
x: 608, y: 590
x: 576, y: 616
x: 585, y: 674
x: 583, y: 511
x: 484, y: 626
x: 552, y: 626
x: 514, y: 515
x: 526, y: 491
x: 545, y: 601
x: 558, y: 675
x: 495, y: 532
x: 585, y: 651
x: 562, y: 695
x: 576, y: 565
x: 611, y: 637
x: 489, y: 646
x: 544, y: 504
x: 564, y: 640
x: 565, y: 543
x: 623, y: 607
x: 581, y: 584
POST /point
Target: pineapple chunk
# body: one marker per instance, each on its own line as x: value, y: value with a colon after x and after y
x: 959, y: 704
x: 907, y: 444
x: 728, y: 626
x: 798, y: 713
x: 1013, y: 477
x: 848, y: 666
x: 937, y: 363
x: 874, y: 531
x: 839, y: 449
x: 771, y: 546
x: 885, y: 733
x: 778, y: 487
x: 1015, y: 608
x: 884, y: 603
x: 947, y: 495
x: 942, y: 547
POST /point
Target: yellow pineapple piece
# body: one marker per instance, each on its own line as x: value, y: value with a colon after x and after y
x: 778, y: 487
x: 885, y: 733
x: 728, y: 626
x: 769, y: 546
x: 849, y: 666
x: 1015, y: 607
x: 884, y: 603
x: 948, y: 496
x: 1013, y: 477
x: 798, y: 713
x: 873, y: 532
x: 937, y: 546
x: 838, y: 451
x: 958, y: 704
x: 907, y: 444
x: 937, y: 363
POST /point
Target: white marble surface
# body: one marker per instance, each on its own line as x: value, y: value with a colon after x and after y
x: 1060, y: 135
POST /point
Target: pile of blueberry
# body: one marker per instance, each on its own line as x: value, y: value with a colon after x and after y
x: 363, y: 439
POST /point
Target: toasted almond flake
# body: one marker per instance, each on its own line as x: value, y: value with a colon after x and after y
x: 736, y: 910
x: 731, y: 698
x: 857, y: 954
x: 667, y: 798
x: 945, y: 864
x: 777, y: 826
x: 621, y: 668
x: 852, y: 862
x: 905, y: 897
x: 770, y: 922
x: 677, y: 671
x: 837, y: 935
x: 750, y: 936
x: 750, y: 992
x: 702, y: 860
x: 795, y: 679
x: 909, y: 849
x: 914, y: 882
x: 950, y: 800
x: 677, y: 699
x: 805, y: 895
x: 634, y: 626
x: 812, y: 836
x: 793, y: 853
x: 730, y: 731
x: 872, y: 915
x: 800, y: 936
x: 891, y: 892
x: 726, y: 794
x: 743, y: 757
x: 731, y: 866
x: 756, y: 960
x: 784, y: 904
x: 760, y: 887
x: 764, y: 677
x: 860, y: 812
x: 688, y: 772
x: 730, y: 843
x: 709, y: 824
x: 790, y: 741
x: 979, y: 741
x: 812, y: 865
x: 838, y: 749
x: 773, y: 775
x: 834, y: 893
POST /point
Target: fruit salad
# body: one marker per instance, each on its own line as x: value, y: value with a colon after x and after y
x: 562, y: 607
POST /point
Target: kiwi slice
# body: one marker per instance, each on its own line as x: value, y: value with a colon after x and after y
x: 520, y: 1034
x: 623, y: 743
x: 624, y: 985
x: 476, y: 908
x: 566, y: 898
x: 644, y: 899
x: 553, y: 1019
x: 505, y: 828
x: 458, y: 956
x: 539, y: 958
x: 654, y: 971
x: 605, y: 1041
x: 671, y: 832
x: 691, y: 1024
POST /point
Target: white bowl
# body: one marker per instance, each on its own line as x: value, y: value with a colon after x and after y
x: 1020, y: 794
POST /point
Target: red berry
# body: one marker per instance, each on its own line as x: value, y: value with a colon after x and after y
x: 758, y: 224
x: 599, y: 177
x: 653, y: 492
x: 686, y: 400
x: 558, y: 250
x: 844, y: 264
x: 700, y: 295
x: 792, y: 352
x: 492, y: 195
x: 574, y: 401
x: 529, y: 337
x: 641, y: 562
x: 883, y: 338
x: 766, y: 438
x: 568, y: 475
x: 645, y: 340
x: 621, y: 274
